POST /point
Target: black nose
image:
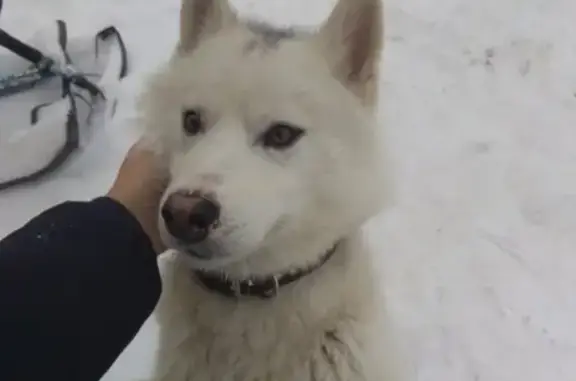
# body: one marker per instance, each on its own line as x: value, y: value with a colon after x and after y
x: 189, y: 217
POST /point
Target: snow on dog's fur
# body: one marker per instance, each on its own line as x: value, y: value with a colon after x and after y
x: 276, y: 127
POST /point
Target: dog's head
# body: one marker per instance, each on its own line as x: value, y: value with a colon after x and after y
x: 272, y: 150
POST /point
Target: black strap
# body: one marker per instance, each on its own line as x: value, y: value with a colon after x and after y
x: 104, y: 35
x: 39, y: 72
x: 19, y: 48
x: 71, y: 125
x: 72, y: 141
x: 77, y: 79
x: 263, y: 288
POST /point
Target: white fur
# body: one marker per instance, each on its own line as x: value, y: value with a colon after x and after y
x: 280, y: 210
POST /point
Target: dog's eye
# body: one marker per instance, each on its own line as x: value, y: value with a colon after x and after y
x: 192, y: 122
x: 281, y: 135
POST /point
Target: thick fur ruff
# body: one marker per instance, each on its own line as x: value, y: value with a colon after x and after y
x: 329, y: 326
x: 281, y: 208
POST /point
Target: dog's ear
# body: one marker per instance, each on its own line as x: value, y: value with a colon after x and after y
x: 351, y: 40
x: 201, y: 18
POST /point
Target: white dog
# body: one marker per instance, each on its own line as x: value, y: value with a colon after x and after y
x: 275, y: 163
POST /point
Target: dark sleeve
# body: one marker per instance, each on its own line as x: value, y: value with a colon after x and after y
x: 76, y: 284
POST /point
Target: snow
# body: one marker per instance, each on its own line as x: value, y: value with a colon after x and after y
x: 479, y: 104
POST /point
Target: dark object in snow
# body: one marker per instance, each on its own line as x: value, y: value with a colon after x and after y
x: 77, y: 89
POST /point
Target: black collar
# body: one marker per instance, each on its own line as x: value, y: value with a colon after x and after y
x: 263, y: 288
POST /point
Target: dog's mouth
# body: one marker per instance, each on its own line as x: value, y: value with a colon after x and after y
x: 205, y: 251
x: 198, y: 254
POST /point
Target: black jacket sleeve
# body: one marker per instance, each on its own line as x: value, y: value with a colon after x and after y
x: 76, y: 284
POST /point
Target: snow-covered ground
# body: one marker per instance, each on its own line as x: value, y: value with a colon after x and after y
x: 479, y: 101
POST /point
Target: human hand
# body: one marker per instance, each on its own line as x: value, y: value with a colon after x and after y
x: 139, y: 185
